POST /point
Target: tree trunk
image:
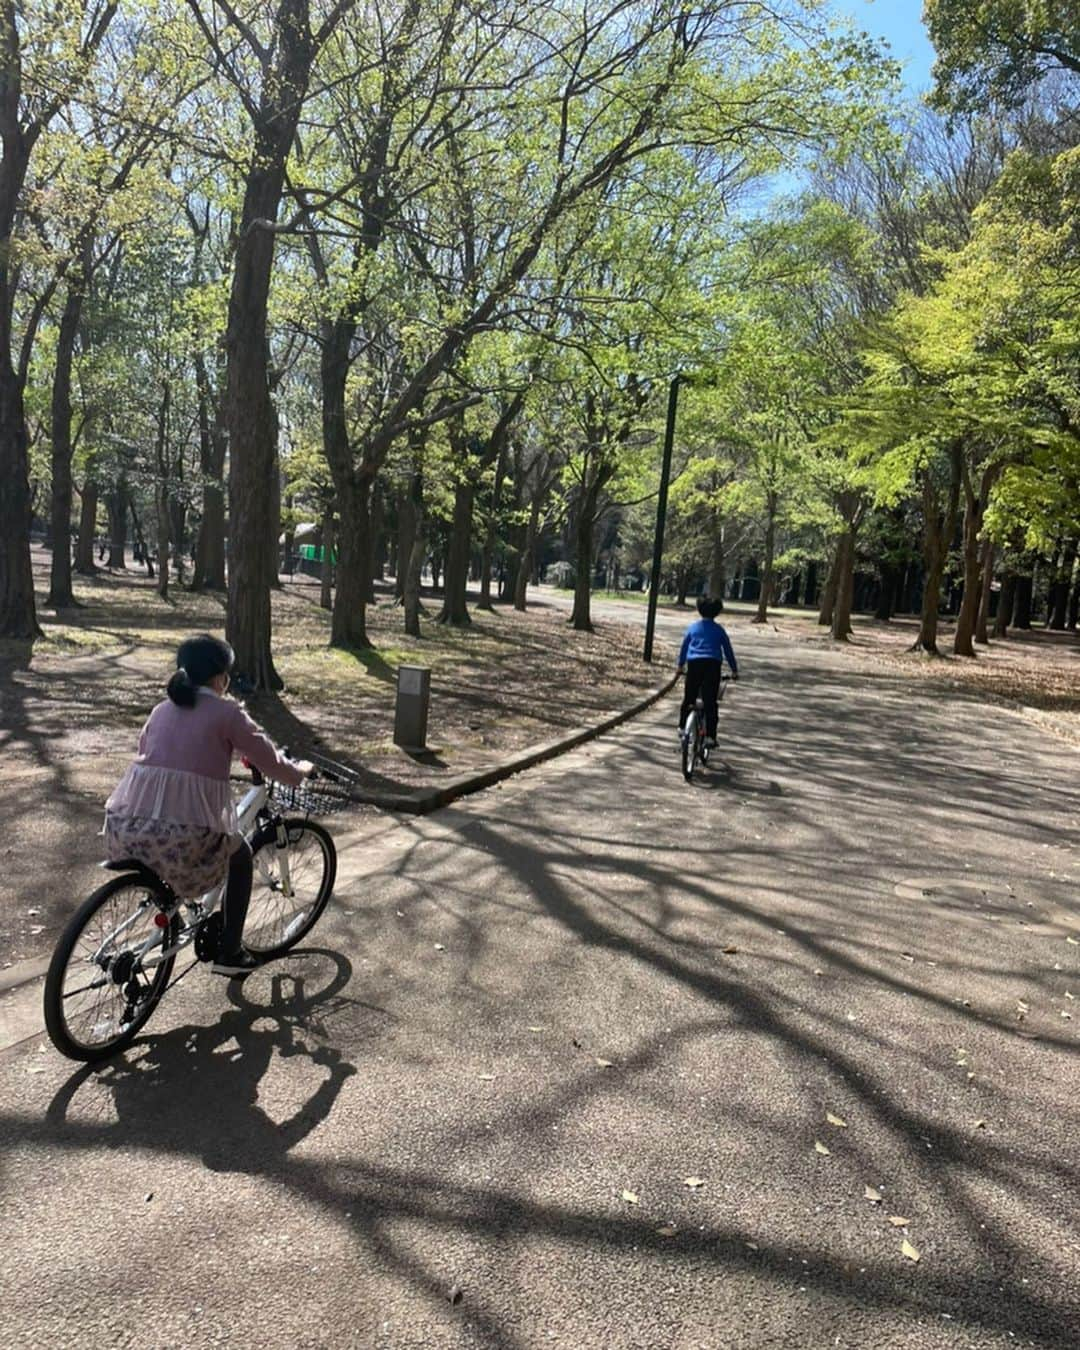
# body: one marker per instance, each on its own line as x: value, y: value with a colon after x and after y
x: 887, y: 595
x: 1022, y: 602
x: 348, y: 627
x: 765, y: 594
x: 986, y: 575
x: 528, y: 556
x: 161, y: 494
x: 1062, y: 588
x: 717, y: 563
x: 210, y: 544
x: 60, y: 592
x: 406, y: 533
x: 491, y: 533
x: 975, y: 503
x: 18, y: 610
x: 939, y: 527
x: 828, y: 594
x: 455, y: 610
x: 845, y: 584
x: 84, y: 549
x: 376, y: 565
x: 249, y: 411
x: 117, y: 506
x: 415, y: 564
x: 326, y: 581
x: 1006, y: 605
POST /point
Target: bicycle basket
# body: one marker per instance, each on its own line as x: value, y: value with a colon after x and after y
x: 325, y: 794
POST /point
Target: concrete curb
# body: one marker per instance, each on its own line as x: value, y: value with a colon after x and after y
x: 22, y: 972
x: 421, y: 801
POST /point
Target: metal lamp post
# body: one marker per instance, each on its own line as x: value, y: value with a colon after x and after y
x: 661, y: 516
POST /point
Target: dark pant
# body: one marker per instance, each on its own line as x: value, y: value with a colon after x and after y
x: 237, y: 899
x: 702, y: 681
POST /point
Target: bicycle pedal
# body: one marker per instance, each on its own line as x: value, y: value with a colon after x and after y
x: 208, y: 937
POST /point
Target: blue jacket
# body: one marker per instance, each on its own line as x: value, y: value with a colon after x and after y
x: 706, y: 640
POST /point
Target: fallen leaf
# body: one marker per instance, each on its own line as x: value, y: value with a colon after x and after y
x: 898, y: 1221
x: 1021, y: 1006
x: 912, y: 1253
x: 1070, y: 997
x: 35, y: 1068
x: 1073, y: 941
x: 35, y: 929
x: 753, y: 1246
x: 980, y: 1124
x: 439, y: 947
x: 629, y: 1197
x: 819, y: 972
x: 148, y: 1197
x: 535, y: 1028
x: 872, y: 1194
x: 1066, y: 1016
x: 694, y: 1183
x: 729, y: 951
x: 32, y: 912
x: 668, y: 1230
x: 486, y: 1077
x: 819, y: 1147
x: 836, y: 1120
x: 907, y: 956
x: 605, y: 1063
x: 970, y: 1077
x: 455, y: 1294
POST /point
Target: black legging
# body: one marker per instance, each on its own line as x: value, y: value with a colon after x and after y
x: 702, y: 681
x: 237, y: 899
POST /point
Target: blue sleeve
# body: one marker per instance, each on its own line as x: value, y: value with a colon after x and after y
x: 725, y: 643
x: 682, y: 650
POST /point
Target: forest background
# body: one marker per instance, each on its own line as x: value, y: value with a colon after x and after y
x: 408, y: 286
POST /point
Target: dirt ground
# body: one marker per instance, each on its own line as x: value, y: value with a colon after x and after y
x: 1038, y: 670
x: 71, y: 708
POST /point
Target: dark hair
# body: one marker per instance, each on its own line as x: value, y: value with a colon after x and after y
x: 709, y: 606
x: 198, y: 660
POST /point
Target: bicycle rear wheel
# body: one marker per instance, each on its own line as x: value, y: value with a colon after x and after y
x: 100, y: 988
x: 689, y: 745
x: 277, y: 921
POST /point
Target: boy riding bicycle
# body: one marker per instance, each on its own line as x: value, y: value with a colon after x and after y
x: 705, y: 648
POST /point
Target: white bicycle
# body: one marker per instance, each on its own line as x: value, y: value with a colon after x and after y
x: 113, y: 963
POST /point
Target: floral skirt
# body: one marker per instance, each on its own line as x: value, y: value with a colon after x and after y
x: 189, y: 858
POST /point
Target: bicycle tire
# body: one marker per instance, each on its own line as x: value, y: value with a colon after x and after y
x: 269, y: 930
x: 689, y: 745
x: 59, y: 1022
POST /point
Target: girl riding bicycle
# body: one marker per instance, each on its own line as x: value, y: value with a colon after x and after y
x: 173, y: 810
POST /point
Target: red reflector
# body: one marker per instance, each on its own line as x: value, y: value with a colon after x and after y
x: 162, y: 920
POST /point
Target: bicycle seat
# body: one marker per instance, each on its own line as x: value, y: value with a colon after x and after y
x: 143, y: 872
x: 125, y: 865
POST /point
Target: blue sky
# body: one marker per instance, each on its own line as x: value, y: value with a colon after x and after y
x: 900, y: 23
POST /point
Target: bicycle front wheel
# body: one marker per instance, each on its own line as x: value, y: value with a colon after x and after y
x: 689, y: 745
x: 107, y: 974
x: 291, y: 885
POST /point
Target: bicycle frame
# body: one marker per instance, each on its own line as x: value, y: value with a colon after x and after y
x: 251, y: 807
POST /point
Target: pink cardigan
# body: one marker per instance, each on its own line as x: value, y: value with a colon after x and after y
x: 181, y: 773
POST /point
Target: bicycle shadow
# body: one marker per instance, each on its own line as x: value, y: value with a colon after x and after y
x: 202, y: 1090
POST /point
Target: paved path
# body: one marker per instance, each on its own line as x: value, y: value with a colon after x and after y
x: 569, y: 1050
